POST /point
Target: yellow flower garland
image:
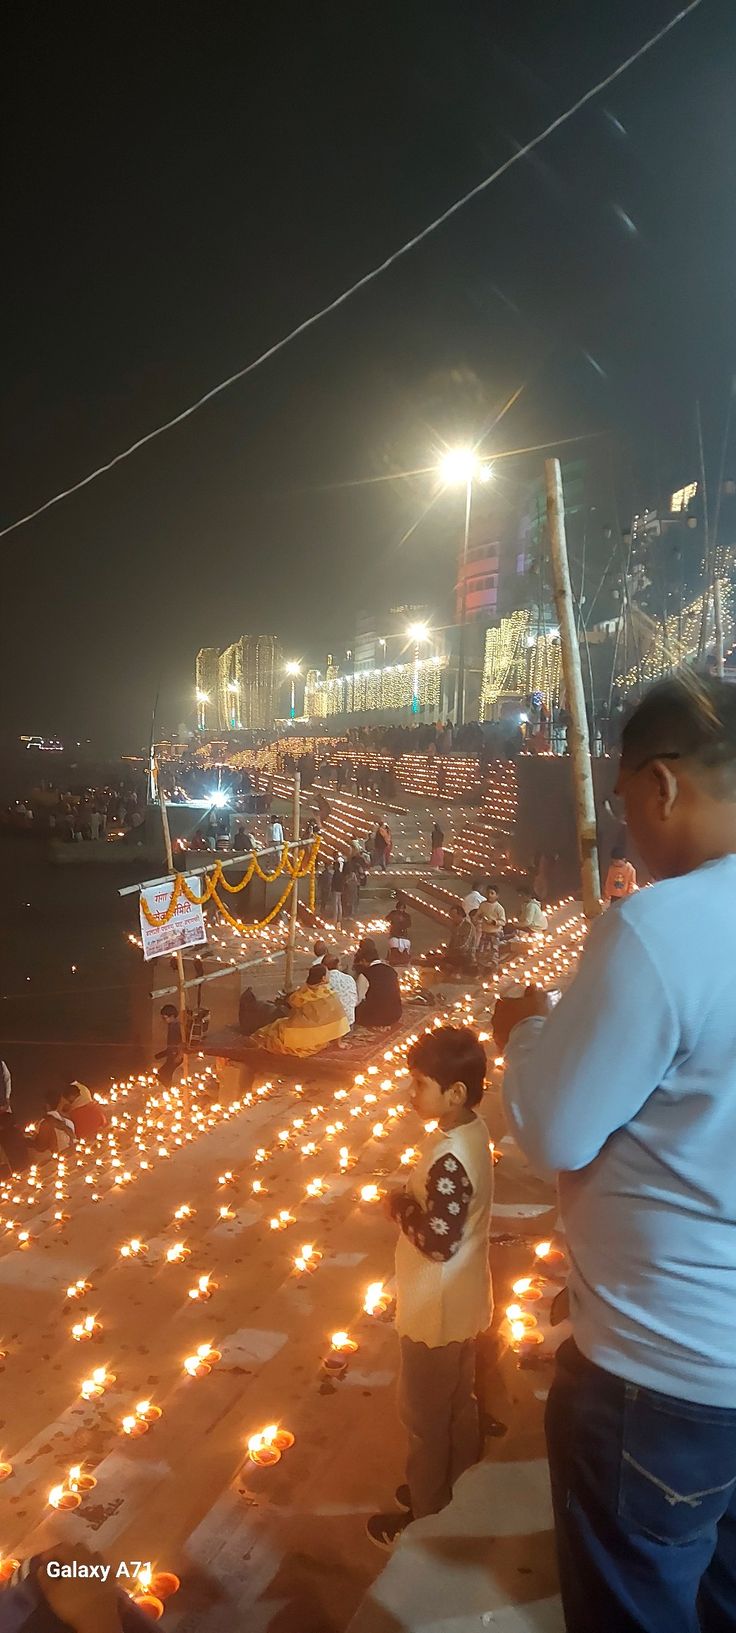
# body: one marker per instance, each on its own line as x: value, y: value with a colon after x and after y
x: 300, y: 868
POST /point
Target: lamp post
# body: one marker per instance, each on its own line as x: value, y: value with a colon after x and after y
x: 233, y: 688
x: 461, y: 467
x: 293, y: 669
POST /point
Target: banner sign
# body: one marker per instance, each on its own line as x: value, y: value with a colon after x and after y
x: 186, y: 927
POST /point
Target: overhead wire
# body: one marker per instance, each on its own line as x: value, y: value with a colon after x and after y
x: 368, y: 277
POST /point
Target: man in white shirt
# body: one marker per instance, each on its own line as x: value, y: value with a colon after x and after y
x: 276, y: 831
x: 490, y: 920
x: 474, y: 898
x: 344, y: 986
x: 627, y: 1090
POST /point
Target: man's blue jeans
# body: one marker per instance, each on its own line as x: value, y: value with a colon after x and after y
x: 644, y: 1497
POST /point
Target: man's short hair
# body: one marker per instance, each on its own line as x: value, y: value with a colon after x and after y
x: 316, y: 975
x: 689, y: 717
x: 451, y: 1054
x: 319, y: 949
x: 169, y: 1009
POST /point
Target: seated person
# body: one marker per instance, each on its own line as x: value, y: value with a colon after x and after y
x: 254, y: 1012
x: 343, y: 985
x: 55, y: 1132
x: 531, y: 918
x: 242, y: 839
x: 620, y: 878
x: 86, y: 1114
x: 16, y: 1152
x: 315, y: 1018
x: 459, y: 953
x: 378, y: 987
x: 320, y: 950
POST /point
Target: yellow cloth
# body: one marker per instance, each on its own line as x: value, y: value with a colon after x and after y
x: 317, y: 1018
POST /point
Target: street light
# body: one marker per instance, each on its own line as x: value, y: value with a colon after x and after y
x: 461, y: 467
x: 417, y: 633
x: 293, y: 669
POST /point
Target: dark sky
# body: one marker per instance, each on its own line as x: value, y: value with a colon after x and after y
x: 184, y: 182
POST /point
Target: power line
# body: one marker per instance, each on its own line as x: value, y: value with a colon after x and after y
x: 368, y: 277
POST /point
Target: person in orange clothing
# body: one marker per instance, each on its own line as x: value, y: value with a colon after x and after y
x: 620, y: 878
x: 86, y: 1114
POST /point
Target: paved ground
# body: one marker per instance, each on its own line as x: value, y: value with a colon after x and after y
x: 283, y: 1549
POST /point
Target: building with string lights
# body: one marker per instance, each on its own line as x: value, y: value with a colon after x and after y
x: 237, y: 687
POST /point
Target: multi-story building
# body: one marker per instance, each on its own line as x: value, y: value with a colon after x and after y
x: 237, y: 689
x: 206, y: 688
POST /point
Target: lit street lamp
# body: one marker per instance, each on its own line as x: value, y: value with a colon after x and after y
x: 293, y: 669
x: 203, y: 699
x: 461, y: 467
x: 417, y: 633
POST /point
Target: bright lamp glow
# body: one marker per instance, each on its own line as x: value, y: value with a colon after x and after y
x: 219, y: 797
x: 418, y: 632
x: 293, y: 668
x: 203, y: 697
x: 233, y: 686
x: 463, y: 465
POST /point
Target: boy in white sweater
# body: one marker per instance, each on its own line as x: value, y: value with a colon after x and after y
x: 442, y: 1275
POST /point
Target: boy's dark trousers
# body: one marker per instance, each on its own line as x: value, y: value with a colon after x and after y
x: 439, y: 1411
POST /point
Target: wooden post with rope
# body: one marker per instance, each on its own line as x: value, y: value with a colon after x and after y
x: 579, y: 738
x: 294, y: 900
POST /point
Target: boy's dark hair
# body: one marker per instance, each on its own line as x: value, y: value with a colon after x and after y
x: 457, y: 907
x: 618, y: 854
x: 451, y: 1054
x: 316, y: 975
x: 526, y: 890
x: 169, y: 1009
x: 690, y: 717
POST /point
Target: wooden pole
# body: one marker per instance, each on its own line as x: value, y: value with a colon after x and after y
x: 578, y: 734
x: 180, y: 980
x: 294, y: 901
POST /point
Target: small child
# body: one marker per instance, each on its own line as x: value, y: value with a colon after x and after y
x: 620, y: 878
x: 442, y: 1276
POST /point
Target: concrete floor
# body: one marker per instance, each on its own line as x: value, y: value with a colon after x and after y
x: 279, y: 1550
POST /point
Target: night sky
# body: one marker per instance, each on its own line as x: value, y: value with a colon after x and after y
x: 184, y: 182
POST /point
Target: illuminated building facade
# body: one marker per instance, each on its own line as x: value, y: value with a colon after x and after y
x: 392, y: 689
x: 206, y: 678
x: 237, y: 688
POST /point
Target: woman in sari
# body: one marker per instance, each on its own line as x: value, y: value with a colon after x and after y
x: 316, y: 1017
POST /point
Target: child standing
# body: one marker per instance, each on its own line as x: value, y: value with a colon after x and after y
x: 442, y: 1275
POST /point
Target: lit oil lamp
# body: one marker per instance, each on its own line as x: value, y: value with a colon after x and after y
x: 78, y: 1481
x: 228, y: 1178
x: 376, y: 1300
x: 95, y: 1386
x: 525, y: 1338
x: 516, y: 1316
x: 548, y: 1253
x: 527, y: 1289
x: 308, y: 1259
x: 183, y: 1212
x: 133, y: 1426
x: 202, y: 1362
x: 133, y: 1249
x: 378, y: 1131
x: 263, y: 1455
x: 24, y: 1238
x: 345, y: 1159
x: 203, y: 1289
x: 281, y: 1220
x: 225, y: 1213
x: 164, y: 1584
x: 6, y: 1470
x: 316, y: 1187
x: 258, y: 1188
x: 178, y: 1253
x: 408, y: 1156
x: 147, y: 1412
x: 150, y: 1605
x: 61, y: 1497
x: 82, y: 1331
x: 8, y: 1567
x: 342, y: 1344
x: 370, y: 1193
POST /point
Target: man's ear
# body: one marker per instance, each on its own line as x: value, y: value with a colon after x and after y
x: 667, y: 787
x: 459, y: 1093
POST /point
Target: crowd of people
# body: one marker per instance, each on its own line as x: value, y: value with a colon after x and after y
x: 330, y: 1002
x: 79, y: 815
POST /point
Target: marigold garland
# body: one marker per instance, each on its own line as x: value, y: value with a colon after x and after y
x: 300, y: 868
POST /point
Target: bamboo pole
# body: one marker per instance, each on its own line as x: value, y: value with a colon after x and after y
x: 294, y: 901
x: 579, y: 738
x: 180, y: 979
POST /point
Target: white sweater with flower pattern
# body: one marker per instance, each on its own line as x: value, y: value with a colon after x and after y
x: 442, y: 1272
